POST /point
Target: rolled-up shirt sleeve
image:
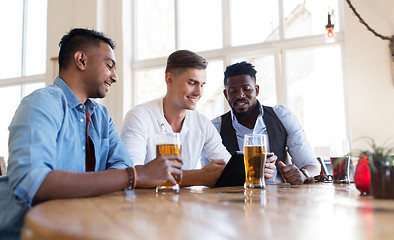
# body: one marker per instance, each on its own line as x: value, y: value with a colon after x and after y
x: 32, y: 145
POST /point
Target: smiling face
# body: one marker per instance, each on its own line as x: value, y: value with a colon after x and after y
x: 100, y: 71
x: 241, y: 92
x: 185, y: 88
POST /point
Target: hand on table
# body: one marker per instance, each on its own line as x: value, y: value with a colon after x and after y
x: 291, y: 173
x: 161, y: 169
x: 270, y: 167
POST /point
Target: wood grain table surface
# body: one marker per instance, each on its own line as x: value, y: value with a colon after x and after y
x: 312, y: 211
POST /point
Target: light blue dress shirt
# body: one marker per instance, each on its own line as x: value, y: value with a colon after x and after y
x: 300, y: 150
x: 48, y: 133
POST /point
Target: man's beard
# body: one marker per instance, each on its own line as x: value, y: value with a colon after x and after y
x: 245, y: 115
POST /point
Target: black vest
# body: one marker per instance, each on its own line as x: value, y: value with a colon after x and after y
x: 277, y: 134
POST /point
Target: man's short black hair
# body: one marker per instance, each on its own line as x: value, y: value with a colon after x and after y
x: 79, y: 39
x: 239, y: 69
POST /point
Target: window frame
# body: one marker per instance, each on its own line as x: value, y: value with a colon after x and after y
x: 23, y: 79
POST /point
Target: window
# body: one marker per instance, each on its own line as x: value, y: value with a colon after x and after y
x: 253, y: 21
x: 153, y: 39
x: 150, y: 83
x: 283, y: 39
x: 200, y: 27
x: 315, y: 92
x: 11, y: 20
x: 23, y: 65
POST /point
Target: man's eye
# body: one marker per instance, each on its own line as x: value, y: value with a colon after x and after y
x: 109, y: 66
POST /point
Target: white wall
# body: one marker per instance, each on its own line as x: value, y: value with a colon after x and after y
x: 369, y: 86
x: 369, y: 82
x: 62, y: 16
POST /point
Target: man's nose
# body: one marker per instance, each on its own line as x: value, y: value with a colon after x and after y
x: 198, y: 90
x: 114, y: 77
x: 240, y: 93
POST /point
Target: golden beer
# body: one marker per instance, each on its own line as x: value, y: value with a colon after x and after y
x: 254, y: 158
x: 164, y: 149
x: 168, y: 143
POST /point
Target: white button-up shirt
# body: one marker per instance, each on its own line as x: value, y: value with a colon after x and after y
x: 198, y: 135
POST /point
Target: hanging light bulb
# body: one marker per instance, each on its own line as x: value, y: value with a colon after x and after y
x: 330, y: 33
x: 330, y: 26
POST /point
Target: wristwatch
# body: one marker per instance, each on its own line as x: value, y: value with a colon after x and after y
x: 308, y: 179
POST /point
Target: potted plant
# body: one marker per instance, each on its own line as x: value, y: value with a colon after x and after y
x: 381, y: 164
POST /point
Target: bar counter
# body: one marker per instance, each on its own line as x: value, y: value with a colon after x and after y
x: 311, y: 211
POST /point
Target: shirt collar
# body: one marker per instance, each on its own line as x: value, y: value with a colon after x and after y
x: 72, y: 99
x: 167, y: 126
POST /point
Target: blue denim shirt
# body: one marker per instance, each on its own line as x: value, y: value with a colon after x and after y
x: 47, y: 133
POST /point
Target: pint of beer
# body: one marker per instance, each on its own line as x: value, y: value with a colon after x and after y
x: 168, y: 143
x: 255, y: 155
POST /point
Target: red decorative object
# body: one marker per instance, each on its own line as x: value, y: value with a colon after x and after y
x: 362, y: 175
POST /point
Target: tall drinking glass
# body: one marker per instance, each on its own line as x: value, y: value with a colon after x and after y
x: 340, y: 160
x: 255, y: 155
x: 168, y: 143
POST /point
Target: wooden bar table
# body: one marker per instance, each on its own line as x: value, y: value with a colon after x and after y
x: 313, y: 211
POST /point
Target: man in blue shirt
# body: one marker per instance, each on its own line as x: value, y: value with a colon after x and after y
x: 48, y: 139
x: 247, y: 116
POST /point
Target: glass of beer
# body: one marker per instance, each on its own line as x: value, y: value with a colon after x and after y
x: 168, y: 143
x: 255, y: 155
x: 340, y: 160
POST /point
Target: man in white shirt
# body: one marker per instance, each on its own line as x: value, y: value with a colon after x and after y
x: 185, y: 77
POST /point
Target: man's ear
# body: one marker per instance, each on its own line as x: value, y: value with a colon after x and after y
x: 169, y: 78
x: 80, y: 60
x: 225, y: 93
x: 257, y: 90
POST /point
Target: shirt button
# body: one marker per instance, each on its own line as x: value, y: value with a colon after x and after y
x: 81, y: 120
x: 81, y: 107
x: 83, y: 147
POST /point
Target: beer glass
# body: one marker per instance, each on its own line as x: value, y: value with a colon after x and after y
x: 168, y: 143
x: 255, y: 155
x: 340, y: 160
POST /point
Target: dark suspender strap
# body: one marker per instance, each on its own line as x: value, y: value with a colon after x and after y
x: 277, y: 135
x: 227, y: 132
